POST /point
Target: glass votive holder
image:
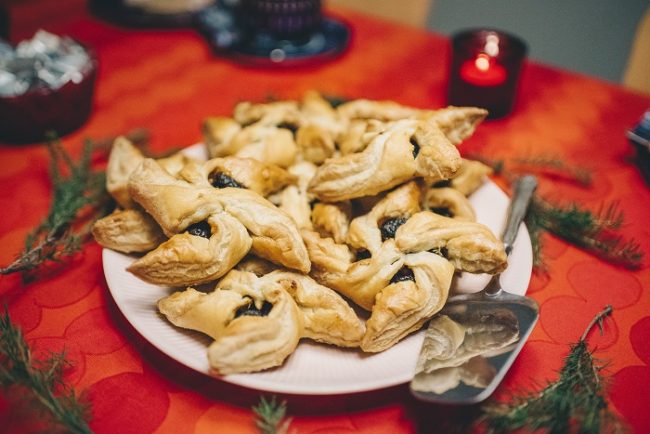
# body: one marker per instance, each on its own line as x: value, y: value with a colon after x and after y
x: 484, y: 70
x: 47, y: 87
x: 293, y: 20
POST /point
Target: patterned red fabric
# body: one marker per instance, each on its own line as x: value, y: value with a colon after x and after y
x: 168, y: 81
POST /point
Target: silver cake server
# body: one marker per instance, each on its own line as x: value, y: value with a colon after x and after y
x: 470, y: 345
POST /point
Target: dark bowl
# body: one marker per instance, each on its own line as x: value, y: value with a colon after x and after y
x: 28, y: 118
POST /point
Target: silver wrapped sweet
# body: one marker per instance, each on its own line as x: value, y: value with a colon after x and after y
x: 46, y: 60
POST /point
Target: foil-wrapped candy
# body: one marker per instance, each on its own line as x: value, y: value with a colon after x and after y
x: 45, y: 61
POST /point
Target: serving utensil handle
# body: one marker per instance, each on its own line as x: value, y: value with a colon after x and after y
x: 523, y: 193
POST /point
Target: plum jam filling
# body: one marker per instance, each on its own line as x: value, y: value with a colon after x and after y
x: 404, y: 273
x: 416, y: 146
x: 363, y: 254
x: 200, y: 229
x: 440, y: 251
x: 221, y: 180
x: 252, y: 310
x: 289, y: 126
x: 443, y: 211
x: 390, y: 226
x: 442, y: 184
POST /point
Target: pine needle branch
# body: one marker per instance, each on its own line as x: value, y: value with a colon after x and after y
x: 42, y: 379
x: 553, y: 167
x: 79, y: 197
x: 271, y: 416
x: 575, y: 403
x: 593, y: 232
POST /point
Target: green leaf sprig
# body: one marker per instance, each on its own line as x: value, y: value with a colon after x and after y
x: 41, y: 380
x: 575, y: 403
x: 270, y: 416
x: 593, y: 231
x: 79, y: 197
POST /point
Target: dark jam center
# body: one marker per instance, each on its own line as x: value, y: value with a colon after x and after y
x: 440, y: 251
x: 289, y: 126
x: 221, y: 180
x: 416, y: 146
x: 389, y: 227
x: 404, y: 273
x: 442, y: 184
x: 443, y: 211
x: 252, y: 310
x: 200, y: 229
x: 363, y: 254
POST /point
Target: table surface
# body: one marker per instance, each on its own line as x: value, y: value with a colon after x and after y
x: 168, y: 81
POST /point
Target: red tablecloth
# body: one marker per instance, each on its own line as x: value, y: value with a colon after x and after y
x: 168, y: 81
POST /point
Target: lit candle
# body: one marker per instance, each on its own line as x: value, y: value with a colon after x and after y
x: 483, y: 71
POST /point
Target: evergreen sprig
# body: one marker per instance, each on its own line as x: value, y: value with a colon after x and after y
x: 40, y: 381
x: 270, y: 416
x: 79, y: 197
x: 553, y: 167
x: 593, y: 231
x: 575, y: 403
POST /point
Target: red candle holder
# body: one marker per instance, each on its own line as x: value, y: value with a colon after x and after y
x: 485, y: 69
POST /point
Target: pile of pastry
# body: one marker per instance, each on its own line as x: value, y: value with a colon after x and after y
x: 303, y: 211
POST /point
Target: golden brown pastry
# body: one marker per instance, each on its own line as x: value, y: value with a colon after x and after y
x: 256, y: 265
x: 400, y: 290
x: 203, y: 223
x: 265, y: 142
x: 294, y: 199
x: 129, y: 230
x: 326, y: 316
x: 365, y: 265
x: 205, y: 252
x: 379, y: 110
x: 352, y: 139
x: 470, y: 176
x: 332, y: 219
x: 319, y: 126
x: 405, y: 305
x: 218, y: 132
x: 449, y: 202
x: 123, y: 160
x: 270, y: 113
x: 255, y: 323
x: 315, y: 144
x: 248, y: 173
x: 457, y: 123
x: 369, y: 231
x: 312, y: 121
x: 403, y: 150
x: 360, y: 280
x: 398, y: 262
x: 470, y: 246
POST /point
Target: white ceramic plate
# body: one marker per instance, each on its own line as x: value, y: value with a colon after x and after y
x: 313, y: 369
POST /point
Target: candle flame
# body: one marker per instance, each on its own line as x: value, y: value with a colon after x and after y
x: 492, y: 45
x: 482, y: 62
